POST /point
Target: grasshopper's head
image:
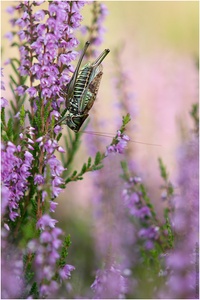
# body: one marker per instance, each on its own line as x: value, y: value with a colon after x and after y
x: 75, y: 122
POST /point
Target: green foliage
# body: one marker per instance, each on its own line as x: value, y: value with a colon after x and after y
x: 165, y: 176
x: 10, y: 129
x: 125, y: 120
x: 34, y: 292
x: 3, y: 115
x: 163, y: 171
x: 64, y: 252
x: 22, y: 115
x: 195, y: 116
x: 34, y: 207
x: 87, y: 167
x: 28, y: 232
x: 27, y: 260
x: 168, y: 227
x: 126, y: 174
x: 29, y: 275
x: 16, y: 81
x: 37, y: 117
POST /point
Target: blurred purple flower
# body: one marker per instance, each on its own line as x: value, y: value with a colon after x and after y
x: 109, y: 283
x: 46, y: 221
x: 181, y: 262
x: 4, y: 102
x: 151, y: 232
x: 47, y: 254
x: 12, y: 281
x: 65, y: 272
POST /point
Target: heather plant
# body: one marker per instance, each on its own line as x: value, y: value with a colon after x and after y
x: 32, y: 175
x: 132, y: 245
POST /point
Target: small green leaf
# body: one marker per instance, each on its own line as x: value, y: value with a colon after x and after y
x: 97, y: 158
x: 13, y: 106
x: 95, y: 168
x: 23, y: 80
x: 59, y: 136
x: 3, y: 115
x: 89, y: 162
x: 10, y: 128
x: 34, y: 291
x: 163, y: 170
x: 84, y: 168
x: 14, y: 67
x: 64, y: 251
x: 22, y: 116
x: 5, y: 138
x: 13, y: 80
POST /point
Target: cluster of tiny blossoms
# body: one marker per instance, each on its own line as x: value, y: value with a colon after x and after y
x: 49, y: 146
x: 15, y: 170
x: 96, y: 30
x: 4, y: 102
x: 120, y: 144
x: 137, y: 208
x: 46, y: 51
x: 109, y: 283
x: 46, y: 250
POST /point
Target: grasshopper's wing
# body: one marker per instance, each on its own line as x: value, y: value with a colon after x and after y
x: 89, y: 95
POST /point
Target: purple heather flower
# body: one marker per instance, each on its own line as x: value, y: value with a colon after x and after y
x: 31, y: 91
x: 12, y: 281
x: 10, y: 9
x: 46, y: 221
x: 143, y: 212
x: 9, y: 36
x: 38, y: 179
x: 20, y: 90
x: 52, y: 33
x: 120, y: 146
x: 2, y: 83
x: 149, y: 233
x: 53, y: 205
x: 47, y: 253
x: 15, y: 171
x: 4, y: 102
x: 109, y: 283
x: 39, y: 15
x: 65, y: 272
x: 97, y: 30
x: 50, y: 289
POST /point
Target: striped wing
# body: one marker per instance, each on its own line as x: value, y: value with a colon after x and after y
x: 90, y: 92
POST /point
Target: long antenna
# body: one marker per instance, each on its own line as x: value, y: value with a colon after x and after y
x: 112, y: 135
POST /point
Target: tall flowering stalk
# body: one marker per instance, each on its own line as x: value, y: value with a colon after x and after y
x: 182, y: 262
x: 95, y: 30
x: 32, y: 175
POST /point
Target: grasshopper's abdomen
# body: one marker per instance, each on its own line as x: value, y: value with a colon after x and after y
x: 82, y: 82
